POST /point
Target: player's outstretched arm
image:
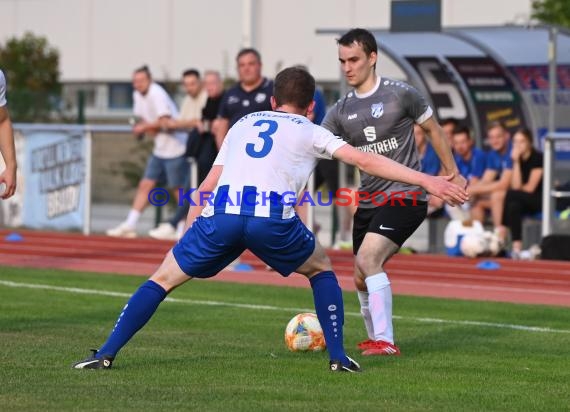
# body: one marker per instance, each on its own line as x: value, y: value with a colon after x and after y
x: 8, y: 152
x: 376, y: 165
x: 220, y: 128
x: 207, y: 186
x: 439, y: 142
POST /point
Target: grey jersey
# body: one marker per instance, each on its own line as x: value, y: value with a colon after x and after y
x: 2, y: 89
x: 382, y: 122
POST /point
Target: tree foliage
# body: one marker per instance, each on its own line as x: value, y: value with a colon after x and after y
x: 31, y: 67
x: 552, y: 11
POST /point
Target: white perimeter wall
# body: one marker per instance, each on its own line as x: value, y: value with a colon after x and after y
x: 103, y: 40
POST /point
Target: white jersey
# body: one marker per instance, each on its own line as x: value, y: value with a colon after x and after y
x: 268, y: 158
x: 2, y: 89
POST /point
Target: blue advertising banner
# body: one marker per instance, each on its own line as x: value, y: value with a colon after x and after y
x: 535, y: 86
x: 54, y: 180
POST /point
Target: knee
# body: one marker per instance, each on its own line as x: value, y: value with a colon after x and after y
x: 168, y: 280
x: 320, y: 263
x: 323, y: 264
x: 146, y: 184
x: 368, y: 265
x: 359, y: 282
x: 163, y: 280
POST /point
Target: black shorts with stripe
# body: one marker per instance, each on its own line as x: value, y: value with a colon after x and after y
x: 396, y: 222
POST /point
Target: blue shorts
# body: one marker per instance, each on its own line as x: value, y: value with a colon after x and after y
x: 214, y: 242
x: 173, y: 172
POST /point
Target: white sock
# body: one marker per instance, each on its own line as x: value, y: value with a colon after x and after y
x: 365, y: 312
x: 380, y: 306
x: 133, y: 218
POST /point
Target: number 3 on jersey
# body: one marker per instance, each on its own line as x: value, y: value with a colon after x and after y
x: 266, y: 136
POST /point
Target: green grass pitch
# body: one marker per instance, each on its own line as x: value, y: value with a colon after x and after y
x: 219, y: 346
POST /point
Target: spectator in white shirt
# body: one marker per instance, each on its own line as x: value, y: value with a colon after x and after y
x: 167, y: 163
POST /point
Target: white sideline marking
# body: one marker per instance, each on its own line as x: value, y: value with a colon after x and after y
x: 277, y: 308
x: 483, y: 287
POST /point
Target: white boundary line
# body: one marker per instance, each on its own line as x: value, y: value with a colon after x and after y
x: 277, y: 308
x: 482, y: 287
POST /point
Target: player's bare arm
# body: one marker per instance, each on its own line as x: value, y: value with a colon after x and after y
x: 220, y: 128
x: 377, y: 165
x: 183, y: 123
x: 438, y: 140
x: 208, y: 185
x: 8, y: 151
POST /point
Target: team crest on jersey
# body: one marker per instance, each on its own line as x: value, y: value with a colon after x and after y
x: 377, y: 110
x: 260, y: 97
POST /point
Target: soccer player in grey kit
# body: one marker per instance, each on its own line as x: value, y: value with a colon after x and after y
x: 379, y: 116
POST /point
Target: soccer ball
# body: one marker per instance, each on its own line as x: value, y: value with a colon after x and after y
x: 494, y: 244
x: 473, y: 244
x: 304, y: 334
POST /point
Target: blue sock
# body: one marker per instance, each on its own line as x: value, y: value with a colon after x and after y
x: 136, y: 313
x: 330, y: 311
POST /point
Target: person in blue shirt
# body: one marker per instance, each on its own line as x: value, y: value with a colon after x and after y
x: 471, y: 163
x: 470, y: 160
x: 429, y: 164
x: 449, y: 124
x: 428, y: 158
x: 320, y: 107
x: 488, y: 192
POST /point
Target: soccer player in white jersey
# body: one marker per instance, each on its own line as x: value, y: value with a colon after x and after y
x: 266, y: 157
x: 378, y: 116
x: 7, y: 148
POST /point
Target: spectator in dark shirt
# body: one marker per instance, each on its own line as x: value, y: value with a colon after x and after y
x: 524, y: 195
x: 251, y: 94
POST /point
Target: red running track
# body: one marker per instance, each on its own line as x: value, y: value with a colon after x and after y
x: 537, y: 282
